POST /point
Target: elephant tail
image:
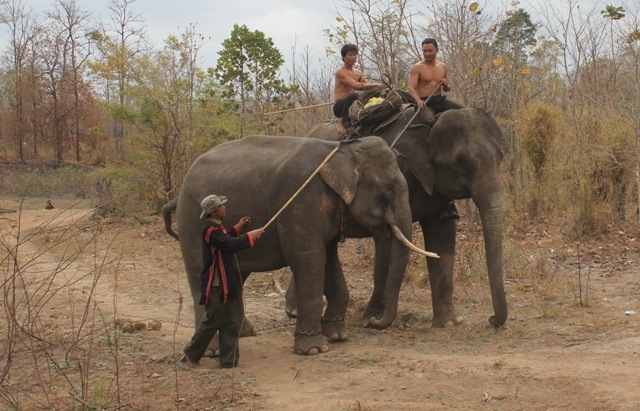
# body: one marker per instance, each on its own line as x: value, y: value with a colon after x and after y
x: 167, y: 209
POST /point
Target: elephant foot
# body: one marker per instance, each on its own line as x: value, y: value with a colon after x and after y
x: 334, y: 329
x: 248, y: 329
x: 291, y: 311
x: 447, y: 319
x: 372, y: 311
x: 212, y: 350
x: 310, y: 343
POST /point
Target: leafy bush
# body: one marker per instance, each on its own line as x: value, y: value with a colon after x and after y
x: 123, y: 191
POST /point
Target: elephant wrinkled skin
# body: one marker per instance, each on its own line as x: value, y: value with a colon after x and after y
x: 361, y: 186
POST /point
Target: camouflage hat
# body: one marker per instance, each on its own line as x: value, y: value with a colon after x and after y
x: 211, y: 203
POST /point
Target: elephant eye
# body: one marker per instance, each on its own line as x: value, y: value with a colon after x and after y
x: 390, y: 188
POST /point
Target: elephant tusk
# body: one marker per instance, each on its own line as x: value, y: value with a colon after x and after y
x: 410, y: 245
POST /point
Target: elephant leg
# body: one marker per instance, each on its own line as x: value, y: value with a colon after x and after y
x: 376, y: 305
x: 290, y: 303
x: 337, y: 293
x: 309, y: 275
x: 440, y: 237
x: 247, y: 329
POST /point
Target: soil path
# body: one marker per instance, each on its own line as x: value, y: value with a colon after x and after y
x: 552, y: 353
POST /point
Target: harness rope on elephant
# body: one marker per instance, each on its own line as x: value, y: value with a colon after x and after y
x: 395, y: 140
x: 374, y: 109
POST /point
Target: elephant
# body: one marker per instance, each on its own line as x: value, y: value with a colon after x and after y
x: 360, y: 187
x: 457, y: 157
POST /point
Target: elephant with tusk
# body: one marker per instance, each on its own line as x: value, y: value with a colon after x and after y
x: 360, y: 190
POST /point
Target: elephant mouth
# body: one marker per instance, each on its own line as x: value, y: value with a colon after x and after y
x: 409, y: 244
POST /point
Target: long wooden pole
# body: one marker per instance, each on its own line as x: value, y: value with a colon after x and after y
x: 297, y: 108
x: 335, y: 150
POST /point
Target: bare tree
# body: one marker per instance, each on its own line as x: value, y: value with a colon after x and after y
x: 120, y: 42
x: 23, y: 28
x: 75, y: 24
x: 167, y: 82
x: 384, y: 32
x: 316, y: 94
x: 52, y: 58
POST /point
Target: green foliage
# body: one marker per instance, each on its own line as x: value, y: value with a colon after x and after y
x: 249, y: 65
x: 515, y: 35
x: 613, y: 12
x: 123, y: 191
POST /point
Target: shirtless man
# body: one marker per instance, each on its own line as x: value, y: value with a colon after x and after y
x: 348, y: 79
x: 426, y: 75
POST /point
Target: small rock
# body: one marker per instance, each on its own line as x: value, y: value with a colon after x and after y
x: 139, y: 326
x: 154, y: 325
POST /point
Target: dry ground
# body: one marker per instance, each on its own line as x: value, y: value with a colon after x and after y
x: 80, y: 275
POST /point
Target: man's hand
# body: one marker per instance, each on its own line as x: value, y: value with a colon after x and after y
x: 244, y: 222
x: 256, y: 233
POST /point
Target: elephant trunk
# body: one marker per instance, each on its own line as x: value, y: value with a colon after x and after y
x: 492, y: 215
x: 167, y: 209
x: 397, y: 267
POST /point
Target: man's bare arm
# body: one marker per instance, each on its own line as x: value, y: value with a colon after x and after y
x: 414, y: 78
x: 348, y: 81
x: 445, y: 80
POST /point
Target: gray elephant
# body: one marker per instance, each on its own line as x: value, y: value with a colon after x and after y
x: 457, y: 158
x: 360, y: 187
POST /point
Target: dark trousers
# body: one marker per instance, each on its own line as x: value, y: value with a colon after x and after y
x: 220, y: 317
x: 341, y: 107
x: 440, y: 103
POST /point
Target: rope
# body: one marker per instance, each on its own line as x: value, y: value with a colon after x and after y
x: 365, y: 120
x: 297, y: 108
x: 395, y: 140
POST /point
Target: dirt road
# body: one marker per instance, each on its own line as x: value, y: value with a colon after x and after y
x: 552, y: 353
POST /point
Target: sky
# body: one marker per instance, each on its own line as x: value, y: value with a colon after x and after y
x: 289, y: 23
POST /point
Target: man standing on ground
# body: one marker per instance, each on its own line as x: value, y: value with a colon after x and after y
x: 220, y: 282
x: 426, y: 76
x: 348, y: 79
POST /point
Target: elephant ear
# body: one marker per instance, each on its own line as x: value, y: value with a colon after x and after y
x: 416, y: 153
x: 419, y: 164
x: 342, y: 175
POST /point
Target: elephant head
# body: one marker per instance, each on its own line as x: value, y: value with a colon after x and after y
x: 376, y: 194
